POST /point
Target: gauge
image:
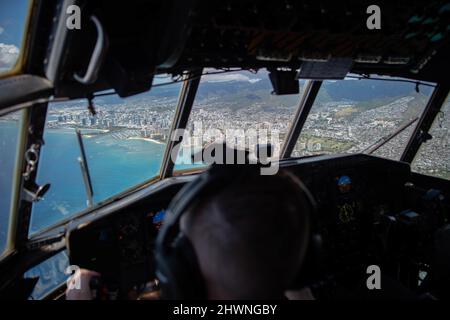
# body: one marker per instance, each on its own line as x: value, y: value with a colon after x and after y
x: 158, y: 219
x: 344, y: 184
x: 346, y: 212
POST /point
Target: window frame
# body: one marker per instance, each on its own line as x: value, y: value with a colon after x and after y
x: 180, y: 111
x: 183, y: 109
x: 34, y: 91
x: 432, y: 109
x: 16, y: 186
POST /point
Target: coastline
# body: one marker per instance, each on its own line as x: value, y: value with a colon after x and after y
x: 84, y: 131
x: 95, y: 130
x: 92, y: 132
x: 145, y: 139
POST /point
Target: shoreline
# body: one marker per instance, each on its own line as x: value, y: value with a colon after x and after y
x: 82, y: 129
x: 94, y: 130
x: 145, y: 139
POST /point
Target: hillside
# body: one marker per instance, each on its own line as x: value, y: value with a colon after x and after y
x: 236, y: 94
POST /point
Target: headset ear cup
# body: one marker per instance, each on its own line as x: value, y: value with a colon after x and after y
x: 177, y: 265
x: 179, y: 272
x: 193, y: 280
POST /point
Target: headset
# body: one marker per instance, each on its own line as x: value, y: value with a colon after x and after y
x: 177, y: 266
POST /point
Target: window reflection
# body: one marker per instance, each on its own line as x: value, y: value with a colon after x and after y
x: 51, y: 274
x: 9, y: 131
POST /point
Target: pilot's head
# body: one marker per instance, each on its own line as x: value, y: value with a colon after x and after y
x: 250, y: 237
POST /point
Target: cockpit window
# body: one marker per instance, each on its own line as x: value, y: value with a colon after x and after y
x: 51, y: 273
x: 433, y: 156
x: 236, y: 107
x: 13, y: 18
x: 363, y: 116
x: 124, y: 145
x: 9, y: 132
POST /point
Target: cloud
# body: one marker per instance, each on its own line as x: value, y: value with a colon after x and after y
x: 229, y: 77
x: 1, y: 29
x: 8, y: 56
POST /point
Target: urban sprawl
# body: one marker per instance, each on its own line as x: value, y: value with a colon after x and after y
x: 331, y: 128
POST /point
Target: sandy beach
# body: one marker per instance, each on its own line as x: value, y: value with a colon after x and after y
x: 145, y: 139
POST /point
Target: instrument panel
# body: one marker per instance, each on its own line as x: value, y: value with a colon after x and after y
x: 352, y: 192
x: 120, y: 248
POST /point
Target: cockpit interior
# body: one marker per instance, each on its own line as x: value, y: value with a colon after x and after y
x: 89, y: 108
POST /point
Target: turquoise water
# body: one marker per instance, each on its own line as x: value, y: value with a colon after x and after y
x: 8, y: 142
x: 115, y: 165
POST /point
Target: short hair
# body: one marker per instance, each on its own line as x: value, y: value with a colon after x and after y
x: 248, y: 235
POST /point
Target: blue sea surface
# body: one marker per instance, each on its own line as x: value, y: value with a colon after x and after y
x: 8, y: 142
x: 114, y: 165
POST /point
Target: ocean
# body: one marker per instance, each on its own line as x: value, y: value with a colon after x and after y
x: 114, y: 165
x: 8, y: 140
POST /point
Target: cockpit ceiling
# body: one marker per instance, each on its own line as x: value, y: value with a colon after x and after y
x: 413, y: 40
x: 150, y: 36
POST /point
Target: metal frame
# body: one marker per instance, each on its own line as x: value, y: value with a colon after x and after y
x: 84, y: 166
x: 425, y: 122
x: 306, y: 102
x: 385, y: 139
x: 31, y: 132
x: 20, y: 228
x: 183, y: 110
x: 54, y: 60
x: 16, y: 184
x: 34, y: 136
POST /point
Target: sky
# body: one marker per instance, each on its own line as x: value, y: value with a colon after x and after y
x: 13, y: 14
